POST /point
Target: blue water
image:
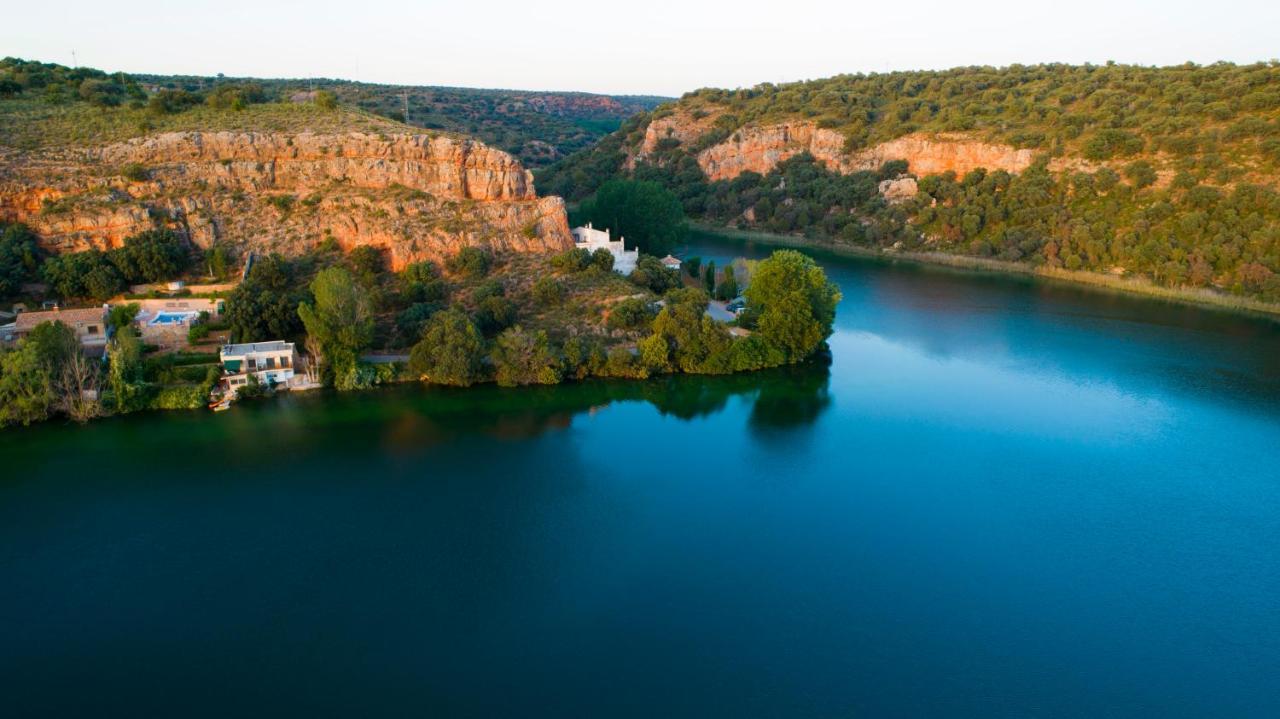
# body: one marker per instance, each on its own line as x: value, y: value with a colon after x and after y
x: 1000, y: 499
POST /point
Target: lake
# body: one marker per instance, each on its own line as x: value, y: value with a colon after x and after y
x: 1000, y: 498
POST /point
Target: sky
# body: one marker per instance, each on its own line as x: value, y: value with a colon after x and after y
x: 656, y: 47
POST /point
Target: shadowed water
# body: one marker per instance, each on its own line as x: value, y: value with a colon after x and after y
x: 999, y: 498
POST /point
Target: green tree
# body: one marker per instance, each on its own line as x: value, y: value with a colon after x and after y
x: 450, y: 351
x: 19, y: 258
x: 326, y: 100
x: 602, y: 260
x: 728, y: 287
x: 709, y: 278
x: 265, y: 306
x: 647, y: 214
x: 521, y: 357
x: 125, y: 370
x: 26, y: 385
x: 470, y: 262
x: 650, y: 274
x: 793, y: 302
x: 339, y: 324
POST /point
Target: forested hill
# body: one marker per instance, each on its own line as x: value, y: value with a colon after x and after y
x: 1170, y: 173
x: 537, y: 127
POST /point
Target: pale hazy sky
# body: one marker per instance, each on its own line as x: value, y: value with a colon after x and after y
x: 644, y: 46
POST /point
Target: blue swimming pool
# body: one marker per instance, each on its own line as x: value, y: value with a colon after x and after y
x: 173, y: 318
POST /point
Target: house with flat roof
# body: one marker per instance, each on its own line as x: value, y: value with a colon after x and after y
x: 590, y: 239
x: 90, y: 324
x: 271, y: 363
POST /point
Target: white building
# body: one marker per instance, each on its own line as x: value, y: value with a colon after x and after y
x: 590, y: 239
x: 270, y: 362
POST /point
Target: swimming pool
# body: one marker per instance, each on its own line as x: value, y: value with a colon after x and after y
x: 173, y: 318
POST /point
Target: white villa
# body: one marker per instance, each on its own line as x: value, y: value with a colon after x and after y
x: 270, y: 362
x: 590, y: 239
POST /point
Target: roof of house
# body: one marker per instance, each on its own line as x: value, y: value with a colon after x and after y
x: 669, y: 259
x: 251, y: 347
x: 27, y: 321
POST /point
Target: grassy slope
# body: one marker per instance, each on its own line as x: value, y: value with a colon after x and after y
x: 31, y: 124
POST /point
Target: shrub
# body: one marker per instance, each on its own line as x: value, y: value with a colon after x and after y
x: 548, y: 291
x: 470, y: 262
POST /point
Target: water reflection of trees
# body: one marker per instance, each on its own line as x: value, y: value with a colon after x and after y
x: 780, y: 399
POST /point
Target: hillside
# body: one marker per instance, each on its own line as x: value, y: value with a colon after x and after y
x: 89, y: 160
x: 1168, y: 173
x: 536, y: 127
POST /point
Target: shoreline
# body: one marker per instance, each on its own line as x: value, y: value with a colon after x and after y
x: 1202, y: 298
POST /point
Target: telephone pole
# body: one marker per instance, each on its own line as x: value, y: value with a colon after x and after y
x: 405, y: 94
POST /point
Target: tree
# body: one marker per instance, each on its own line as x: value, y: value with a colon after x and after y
x: 521, y: 357
x: 650, y: 274
x: 152, y: 256
x: 450, y: 351
x: 495, y: 313
x: 122, y: 315
x: 602, y: 260
x: 421, y: 282
x: 326, y: 100
x: 124, y: 373
x: 77, y: 389
x: 548, y: 291
x: 793, y: 302
x: 19, y: 258
x: 26, y: 387
x: 709, y: 278
x: 265, y: 306
x: 647, y: 214
x: 728, y: 288
x: 341, y: 323
x: 692, y: 266
x: 470, y: 262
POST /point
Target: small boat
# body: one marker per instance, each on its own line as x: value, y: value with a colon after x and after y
x: 220, y: 405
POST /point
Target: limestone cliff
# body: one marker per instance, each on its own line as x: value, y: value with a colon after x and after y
x: 761, y: 148
x: 418, y: 196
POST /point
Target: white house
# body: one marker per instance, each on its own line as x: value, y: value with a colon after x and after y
x: 671, y: 263
x: 270, y: 362
x: 590, y: 239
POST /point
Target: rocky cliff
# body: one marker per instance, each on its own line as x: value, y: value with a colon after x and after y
x: 418, y: 196
x: 760, y: 148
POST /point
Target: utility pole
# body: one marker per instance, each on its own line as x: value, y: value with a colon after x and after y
x: 406, y: 106
x: 74, y: 62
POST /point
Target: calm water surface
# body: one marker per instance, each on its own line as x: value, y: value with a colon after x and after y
x: 1001, y: 499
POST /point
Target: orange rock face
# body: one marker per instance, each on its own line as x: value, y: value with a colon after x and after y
x: 419, y: 197
x: 761, y: 148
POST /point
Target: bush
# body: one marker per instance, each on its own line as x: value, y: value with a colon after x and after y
x: 633, y: 313
x: 450, y: 351
x: 548, y: 291
x: 135, y: 172
x: 521, y: 357
x: 495, y: 314
x: 574, y: 260
x: 470, y: 262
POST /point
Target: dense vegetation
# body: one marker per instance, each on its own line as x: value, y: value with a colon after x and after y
x: 645, y: 214
x: 1168, y: 173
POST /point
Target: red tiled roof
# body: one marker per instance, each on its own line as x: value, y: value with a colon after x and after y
x: 27, y: 321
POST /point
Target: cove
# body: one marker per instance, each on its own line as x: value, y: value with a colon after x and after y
x: 998, y: 497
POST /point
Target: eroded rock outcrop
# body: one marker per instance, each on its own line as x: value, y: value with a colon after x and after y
x: 418, y: 196
x: 761, y: 148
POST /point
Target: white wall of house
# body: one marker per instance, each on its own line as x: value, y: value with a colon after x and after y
x: 590, y: 239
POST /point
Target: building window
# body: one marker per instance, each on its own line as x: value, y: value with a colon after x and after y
x: 91, y: 329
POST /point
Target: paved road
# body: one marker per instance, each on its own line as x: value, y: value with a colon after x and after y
x: 717, y: 311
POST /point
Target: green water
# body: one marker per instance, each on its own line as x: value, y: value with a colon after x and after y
x: 998, y: 498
